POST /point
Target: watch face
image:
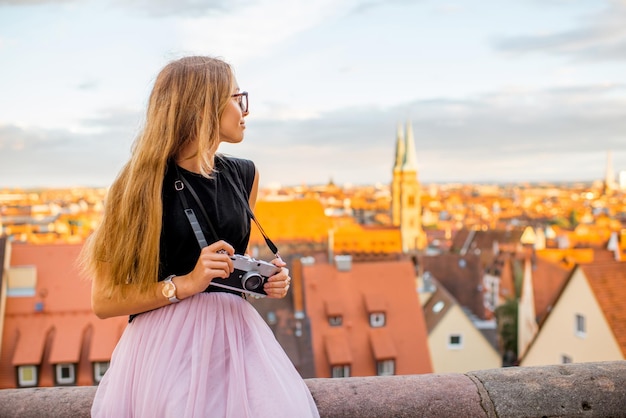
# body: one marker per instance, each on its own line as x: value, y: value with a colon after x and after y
x: 169, y: 290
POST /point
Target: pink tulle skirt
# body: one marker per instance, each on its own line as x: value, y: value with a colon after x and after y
x: 211, y: 355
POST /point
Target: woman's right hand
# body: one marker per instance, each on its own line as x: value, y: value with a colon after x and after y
x: 214, y: 262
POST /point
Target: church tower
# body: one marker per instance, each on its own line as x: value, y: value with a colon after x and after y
x: 610, y: 185
x: 406, y: 208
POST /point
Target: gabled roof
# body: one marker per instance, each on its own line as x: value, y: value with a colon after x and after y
x: 438, y: 304
x: 484, y: 240
x: 367, y: 288
x: 548, y: 280
x: 56, y: 325
x: 462, y: 276
x: 608, y: 282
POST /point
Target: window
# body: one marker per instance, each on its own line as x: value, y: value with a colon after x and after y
x: 581, y: 326
x: 335, y: 321
x: 22, y: 281
x: 455, y: 341
x: 340, y: 371
x: 565, y: 359
x: 386, y: 367
x: 437, y: 307
x: 99, y: 368
x: 27, y: 376
x: 377, y: 319
x: 65, y: 374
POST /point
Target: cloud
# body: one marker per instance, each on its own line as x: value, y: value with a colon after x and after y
x: 154, y: 8
x: 557, y: 134
x: 32, y: 2
x: 601, y: 37
x: 258, y: 27
x: 514, y: 135
x: 35, y: 157
x: 168, y: 8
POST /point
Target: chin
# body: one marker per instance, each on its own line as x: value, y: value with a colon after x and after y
x: 232, y: 140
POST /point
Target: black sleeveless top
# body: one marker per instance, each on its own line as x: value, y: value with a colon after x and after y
x: 179, y: 249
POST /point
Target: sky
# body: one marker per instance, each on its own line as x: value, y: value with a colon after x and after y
x: 516, y: 91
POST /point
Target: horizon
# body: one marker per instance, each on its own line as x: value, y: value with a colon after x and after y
x: 539, y: 183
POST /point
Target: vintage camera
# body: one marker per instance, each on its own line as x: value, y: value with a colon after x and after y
x: 249, y: 276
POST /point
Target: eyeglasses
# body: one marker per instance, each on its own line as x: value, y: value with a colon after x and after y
x: 242, y: 100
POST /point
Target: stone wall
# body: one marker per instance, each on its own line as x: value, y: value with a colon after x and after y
x: 572, y: 390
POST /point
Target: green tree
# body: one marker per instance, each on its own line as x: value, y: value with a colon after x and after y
x: 506, y: 317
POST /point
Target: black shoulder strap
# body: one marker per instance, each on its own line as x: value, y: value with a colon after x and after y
x: 246, y: 204
x: 181, y: 183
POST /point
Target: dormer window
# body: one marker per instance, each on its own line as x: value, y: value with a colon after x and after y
x: 376, y: 307
x: 335, y: 321
x: 27, y: 376
x: 65, y: 374
x: 386, y: 367
x: 99, y: 368
x: 342, y: 370
x: 334, y: 312
x: 377, y: 319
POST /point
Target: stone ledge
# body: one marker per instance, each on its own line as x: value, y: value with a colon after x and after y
x: 585, y: 389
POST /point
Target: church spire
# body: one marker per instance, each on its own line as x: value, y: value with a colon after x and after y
x: 609, y: 178
x: 400, y: 147
x: 410, y: 155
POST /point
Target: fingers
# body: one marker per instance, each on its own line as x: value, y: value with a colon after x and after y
x: 277, y: 286
x: 220, y: 246
x: 278, y: 262
x: 214, y: 262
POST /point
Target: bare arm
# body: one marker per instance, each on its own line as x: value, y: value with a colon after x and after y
x: 214, y: 261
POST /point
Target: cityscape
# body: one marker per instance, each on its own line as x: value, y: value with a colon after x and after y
x: 388, y: 279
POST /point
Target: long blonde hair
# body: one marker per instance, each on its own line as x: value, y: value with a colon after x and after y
x: 186, y: 103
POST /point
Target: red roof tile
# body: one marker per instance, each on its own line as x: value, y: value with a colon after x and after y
x: 548, y: 280
x: 56, y: 325
x: 105, y: 335
x: 337, y: 347
x: 382, y: 344
x: 333, y: 307
x: 31, y: 338
x: 68, y: 337
x: 375, y: 302
x: 394, y: 282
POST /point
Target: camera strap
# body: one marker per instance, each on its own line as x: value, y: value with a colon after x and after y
x: 246, y: 205
x: 179, y: 185
x: 181, y: 182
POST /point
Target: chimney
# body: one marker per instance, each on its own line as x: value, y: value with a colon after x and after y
x: 343, y: 262
x: 297, y: 288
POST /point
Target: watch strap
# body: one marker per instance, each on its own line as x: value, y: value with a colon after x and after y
x: 172, y: 299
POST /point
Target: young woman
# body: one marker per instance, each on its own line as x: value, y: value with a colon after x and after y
x: 190, y: 349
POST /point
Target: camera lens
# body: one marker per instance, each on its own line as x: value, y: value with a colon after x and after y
x: 251, y: 280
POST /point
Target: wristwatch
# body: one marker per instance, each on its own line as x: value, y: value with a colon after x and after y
x: 169, y: 289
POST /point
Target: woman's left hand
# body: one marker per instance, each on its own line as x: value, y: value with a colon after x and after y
x: 277, y: 285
